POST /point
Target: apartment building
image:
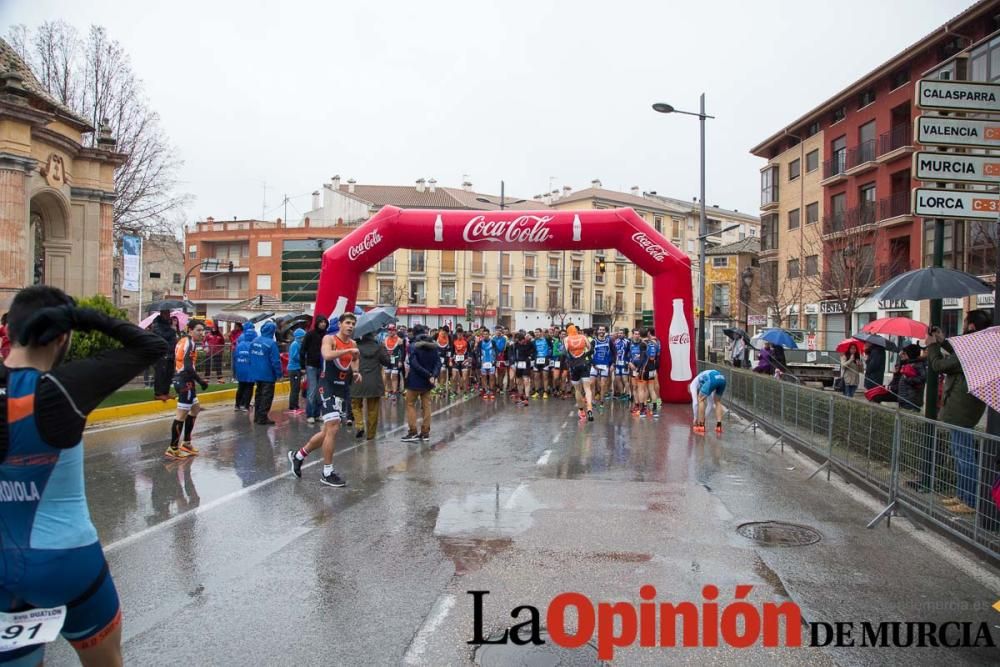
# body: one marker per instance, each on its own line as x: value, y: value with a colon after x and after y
x: 732, y: 287
x: 835, y: 192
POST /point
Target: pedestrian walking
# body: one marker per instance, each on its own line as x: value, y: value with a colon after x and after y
x: 296, y: 354
x: 367, y: 394
x: 163, y: 369
x: 265, y: 369
x: 851, y: 369
x: 313, y: 343
x: 959, y: 408
x: 425, y: 366
x: 241, y: 368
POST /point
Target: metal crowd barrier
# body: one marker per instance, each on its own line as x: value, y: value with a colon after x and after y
x: 919, y: 466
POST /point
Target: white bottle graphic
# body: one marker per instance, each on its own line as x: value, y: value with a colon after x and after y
x: 577, y: 228
x: 439, y: 229
x: 680, y: 344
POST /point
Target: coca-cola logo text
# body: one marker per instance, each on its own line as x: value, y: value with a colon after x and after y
x: 680, y: 339
x: 655, y: 250
x: 372, y: 239
x: 523, y: 229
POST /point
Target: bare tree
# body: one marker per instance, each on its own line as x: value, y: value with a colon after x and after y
x: 777, y: 293
x: 849, y: 273
x: 94, y: 78
x: 396, y: 296
x: 557, y: 310
x: 482, y: 307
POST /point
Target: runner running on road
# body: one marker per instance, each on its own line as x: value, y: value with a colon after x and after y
x: 578, y: 360
x: 51, y: 557
x: 341, y: 361
x: 185, y: 377
x: 705, y: 387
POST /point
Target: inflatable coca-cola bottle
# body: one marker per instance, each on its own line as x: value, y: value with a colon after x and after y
x: 680, y: 344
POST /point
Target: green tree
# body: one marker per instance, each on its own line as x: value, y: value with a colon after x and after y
x: 89, y: 343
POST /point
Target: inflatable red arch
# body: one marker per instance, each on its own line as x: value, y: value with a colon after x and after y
x: 621, y: 229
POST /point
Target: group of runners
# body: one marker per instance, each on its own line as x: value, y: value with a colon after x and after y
x: 556, y: 362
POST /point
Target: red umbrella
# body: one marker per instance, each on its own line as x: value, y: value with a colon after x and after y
x: 846, y: 344
x: 897, y: 326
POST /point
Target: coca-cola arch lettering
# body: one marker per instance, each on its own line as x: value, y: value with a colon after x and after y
x: 620, y: 229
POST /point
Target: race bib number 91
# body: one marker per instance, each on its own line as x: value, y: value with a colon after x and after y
x: 34, y: 626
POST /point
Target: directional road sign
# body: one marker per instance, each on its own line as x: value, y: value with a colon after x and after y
x: 961, y: 204
x: 948, y: 167
x: 958, y: 95
x: 941, y: 131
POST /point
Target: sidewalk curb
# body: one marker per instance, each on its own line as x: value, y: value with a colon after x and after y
x: 160, y: 408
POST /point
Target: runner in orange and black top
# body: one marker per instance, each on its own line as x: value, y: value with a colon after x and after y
x: 395, y: 346
x: 341, y: 361
x: 185, y: 377
x: 463, y: 362
x: 578, y: 361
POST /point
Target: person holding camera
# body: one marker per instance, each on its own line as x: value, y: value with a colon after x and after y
x: 52, y: 560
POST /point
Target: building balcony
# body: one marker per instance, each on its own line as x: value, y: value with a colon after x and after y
x: 895, y: 210
x: 884, y: 272
x: 218, y: 294
x: 240, y: 265
x: 834, y: 168
x: 896, y: 143
x: 853, y: 219
x: 860, y: 281
x: 861, y: 158
x: 769, y: 198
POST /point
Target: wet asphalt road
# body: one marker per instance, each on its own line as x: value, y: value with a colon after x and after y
x: 227, y: 559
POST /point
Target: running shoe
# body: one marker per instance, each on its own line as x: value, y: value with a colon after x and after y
x: 411, y: 437
x: 189, y: 448
x: 360, y: 433
x: 310, y: 420
x: 425, y: 437
x: 700, y: 430
x: 525, y: 403
x: 296, y: 464
x: 635, y: 412
x: 545, y: 394
x: 534, y: 395
x: 718, y: 430
x: 582, y: 415
x: 175, y: 453
x: 333, y: 479
x: 642, y: 413
x: 491, y: 397
x: 590, y: 415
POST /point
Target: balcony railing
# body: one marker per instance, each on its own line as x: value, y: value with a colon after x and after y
x: 860, y: 154
x: 849, y: 280
x: 852, y: 218
x: 219, y: 294
x: 892, y: 269
x: 896, y: 138
x: 598, y: 305
x: 529, y: 272
x: 529, y: 302
x: 833, y: 223
x: 894, y: 206
x: 835, y: 165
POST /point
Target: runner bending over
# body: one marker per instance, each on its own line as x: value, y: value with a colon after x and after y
x: 706, y: 386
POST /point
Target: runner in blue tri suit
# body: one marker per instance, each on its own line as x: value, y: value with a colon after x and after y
x: 52, y: 559
x: 543, y: 354
x: 705, y: 387
x: 488, y: 364
x: 621, y: 347
x: 653, y: 350
x: 601, y: 363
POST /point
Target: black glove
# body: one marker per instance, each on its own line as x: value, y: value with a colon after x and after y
x: 204, y: 385
x: 47, y: 324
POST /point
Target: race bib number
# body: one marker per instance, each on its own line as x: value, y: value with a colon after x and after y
x: 34, y: 626
x: 522, y: 364
x: 541, y: 363
x: 651, y: 374
x: 635, y: 374
x: 556, y: 364
x: 487, y: 365
x: 459, y: 357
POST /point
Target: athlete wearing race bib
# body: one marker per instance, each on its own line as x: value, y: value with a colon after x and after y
x: 653, y: 349
x: 578, y: 361
x: 487, y: 363
x: 621, y: 350
x: 543, y: 352
x: 705, y: 387
x: 53, y: 565
x: 395, y: 347
x: 463, y: 362
x: 602, y: 362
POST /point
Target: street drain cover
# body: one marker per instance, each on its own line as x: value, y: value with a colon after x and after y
x: 779, y: 534
x: 532, y: 655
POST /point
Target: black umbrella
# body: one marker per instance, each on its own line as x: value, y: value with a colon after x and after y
x: 931, y: 283
x: 733, y: 334
x: 171, y: 304
x: 875, y: 339
x: 373, y: 320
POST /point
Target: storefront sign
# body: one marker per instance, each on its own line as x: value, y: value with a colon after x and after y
x: 757, y: 320
x: 928, y: 166
x: 951, y: 303
x: 831, y: 307
x: 940, y: 131
x: 985, y: 299
x: 812, y: 309
x: 958, y: 95
x: 892, y: 304
x: 961, y: 204
x: 441, y: 310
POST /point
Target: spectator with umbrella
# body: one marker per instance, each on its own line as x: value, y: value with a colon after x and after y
x: 851, y: 366
x: 764, y: 360
x: 959, y: 407
x: 366, y: 396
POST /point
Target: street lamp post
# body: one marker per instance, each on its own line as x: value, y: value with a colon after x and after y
x: 746, y: 279
x: 666, y: 108
x: 503, y: 203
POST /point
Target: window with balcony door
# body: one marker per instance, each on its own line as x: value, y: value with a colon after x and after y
x: 192, y: 252
x: 387, y: 292
x: 866, y: 143
x: 505, y: 264
x: 794, y: 169
x: 505, y: 296
x: 866, y: 97
x: 529, y: 297
x: 477, y: 262
x: 812, y: 129
x: 598, y: 301
x: 768, y: 186
x: 900, y: 77
x: 838, y: 114
x: 477, y: 294
x: 866, y: 197
x: 812, y: 213
x: 529, y: 266
x: 769, y: 232
x: 620, y: 275
x: 720, y: 298
x: 793, y: 219
x: 447, y: 261
x: 640, y: 277
x: 658, y: 223
x: 417, y: 293
x: 838, y: 204
x: 675, y: 230
x: 417, y: 262
x: 576, y: 299
x: 577, y: 271
x: 812, y: 265
x: 554, y: 301
x: 449, y: 295
x: 387, y: 265
x: 838, y: 155
x: 554, y: 269
x: 637, y: 302
x: 598, y: 276
x: 793, y: 268
x: 812, y: 160
x: 620, y: 302
x: 263, y: 249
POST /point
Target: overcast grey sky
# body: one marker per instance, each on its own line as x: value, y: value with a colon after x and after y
x: 292, y: 92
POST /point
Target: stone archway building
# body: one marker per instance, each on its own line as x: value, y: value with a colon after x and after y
x: 56, y: 193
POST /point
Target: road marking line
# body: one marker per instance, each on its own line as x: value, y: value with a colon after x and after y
x: 544, y: 458
x: 434, y: 619
x: 129, y: 539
